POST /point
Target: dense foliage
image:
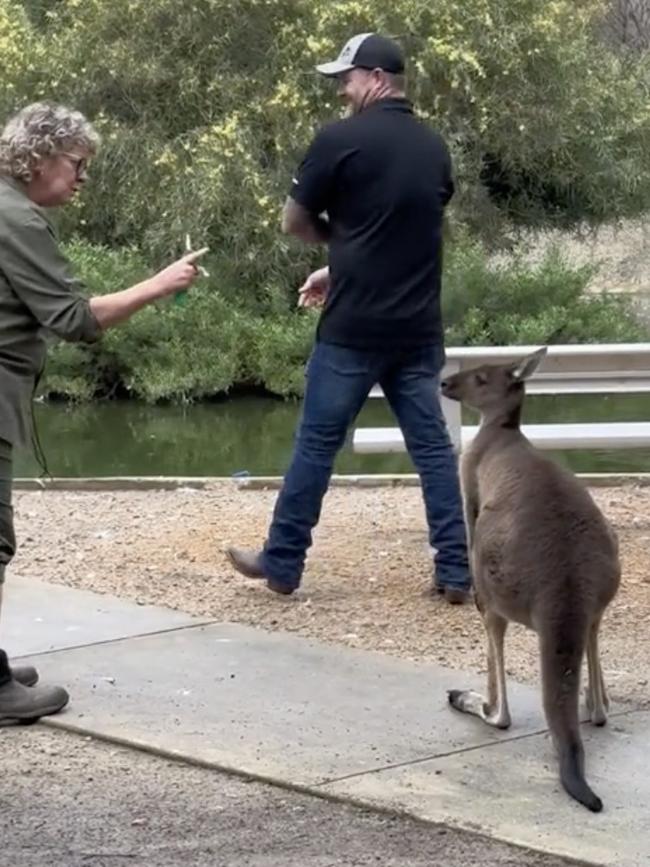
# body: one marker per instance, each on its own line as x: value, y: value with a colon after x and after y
x: 206, y: 107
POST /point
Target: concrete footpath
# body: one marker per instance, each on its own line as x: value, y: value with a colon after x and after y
x: 340, y: 723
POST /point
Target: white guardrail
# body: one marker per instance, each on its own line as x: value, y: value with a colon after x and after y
x: 617, y: 368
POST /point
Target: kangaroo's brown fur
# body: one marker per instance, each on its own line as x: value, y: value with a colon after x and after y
x: 542, y: 555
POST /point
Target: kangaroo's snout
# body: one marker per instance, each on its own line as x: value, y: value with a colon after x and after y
x: 447, y: 388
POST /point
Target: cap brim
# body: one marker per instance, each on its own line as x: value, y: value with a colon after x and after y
x: 334, y: 68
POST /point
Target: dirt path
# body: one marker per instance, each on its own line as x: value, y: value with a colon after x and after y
x: 73, y: 802
x: 366, y: 585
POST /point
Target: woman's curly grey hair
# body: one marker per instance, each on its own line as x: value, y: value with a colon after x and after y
x: 41, y: 130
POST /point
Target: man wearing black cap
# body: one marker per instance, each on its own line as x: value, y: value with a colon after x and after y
x: 373, y: 187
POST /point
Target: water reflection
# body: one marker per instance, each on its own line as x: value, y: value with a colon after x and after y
x: 255, y: 434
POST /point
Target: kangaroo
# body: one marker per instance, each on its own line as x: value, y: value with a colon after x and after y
x: 543, y: 555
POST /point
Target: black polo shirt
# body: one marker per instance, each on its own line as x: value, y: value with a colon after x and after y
x: 382, y: 177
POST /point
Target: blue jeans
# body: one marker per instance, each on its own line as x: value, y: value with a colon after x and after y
x: 339, y: 380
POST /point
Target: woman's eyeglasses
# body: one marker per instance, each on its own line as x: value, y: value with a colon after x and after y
x: 80, y: 164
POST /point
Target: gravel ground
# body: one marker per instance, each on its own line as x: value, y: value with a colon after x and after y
x: 367, y: 582
x: 73, y: 802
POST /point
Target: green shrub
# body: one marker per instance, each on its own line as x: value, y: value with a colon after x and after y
x: 210, y: 344
x: 516, y: 303
x: 180, y: 352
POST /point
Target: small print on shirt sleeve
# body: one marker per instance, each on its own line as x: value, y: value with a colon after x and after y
x: 312, y: 185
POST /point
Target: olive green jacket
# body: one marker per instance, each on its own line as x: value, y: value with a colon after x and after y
x: 39, y: 298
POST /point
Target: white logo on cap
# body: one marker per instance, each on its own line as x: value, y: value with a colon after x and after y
x: 352, y: 46
x: 346, y: 58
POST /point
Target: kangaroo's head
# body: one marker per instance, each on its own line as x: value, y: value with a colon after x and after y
x: 493, y: 389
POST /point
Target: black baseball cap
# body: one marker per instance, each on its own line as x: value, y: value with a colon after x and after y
x: 366, y: 51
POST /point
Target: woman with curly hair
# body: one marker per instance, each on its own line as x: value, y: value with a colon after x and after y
x: 45, y: 151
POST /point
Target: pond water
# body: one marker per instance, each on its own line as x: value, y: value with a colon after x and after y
x: 255, y: 435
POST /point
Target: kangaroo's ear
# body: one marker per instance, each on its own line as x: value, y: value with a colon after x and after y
x: 525, y: 368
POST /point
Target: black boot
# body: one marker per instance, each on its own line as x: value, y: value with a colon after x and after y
x: 19, y: 703
x: 25, y: 674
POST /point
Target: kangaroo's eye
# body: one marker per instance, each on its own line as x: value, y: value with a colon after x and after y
x: 480, y: 379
